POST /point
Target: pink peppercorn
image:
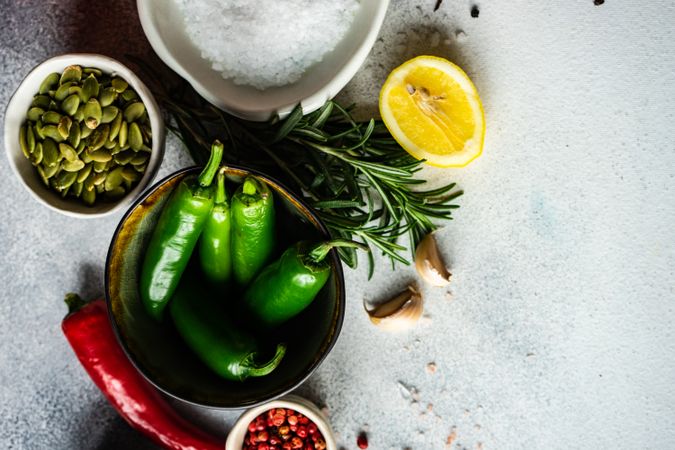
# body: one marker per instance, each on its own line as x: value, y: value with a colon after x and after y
x: 296, y: 442
x: 292, y: 420
x: 362, y: 441
x: 301, y: 432
x: 312, y: 428
x: 263, y: 436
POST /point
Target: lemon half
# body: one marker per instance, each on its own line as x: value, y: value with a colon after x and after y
x: 432, y: 109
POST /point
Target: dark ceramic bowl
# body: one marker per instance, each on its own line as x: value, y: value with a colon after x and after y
x: 159, y: 353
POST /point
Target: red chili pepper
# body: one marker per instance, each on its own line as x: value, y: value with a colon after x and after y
x: 89, y: 333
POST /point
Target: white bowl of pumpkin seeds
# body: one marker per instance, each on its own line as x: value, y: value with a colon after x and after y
x: 84, y: 135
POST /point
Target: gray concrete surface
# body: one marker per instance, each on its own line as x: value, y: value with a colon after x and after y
x: 558, y: 329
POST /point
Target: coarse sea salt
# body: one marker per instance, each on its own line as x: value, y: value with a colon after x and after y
x: 266, y: 43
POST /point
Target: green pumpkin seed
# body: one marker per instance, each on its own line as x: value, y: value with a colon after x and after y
x: 98, y: 137
x: 92, y: 113
x: 133, y: 111
x: 36, y: 156
x: 88, y: 197
x: 115, y: 126
x: 74, y: 136
x: 122, y: 137
x: 41, y: 101
x: 93, y: 70
x: 43, y: 175
x: 114, y: 194
x: 89, y: 181
x: 64, y: 126
x: 109, y: 113
x: 99, y: 178
x: 80, y: 148
x: 73, y: 166
x: 139, y: 158
x: 50, y: 153
x: 49, y: 171
x: 71, y: 73
x: 76, y: 90
x: 115, y: 150
x: 119, y: 85
x: 53, y: 106
x: 63, y: 91
x: 84, y: 173
x: 124, y: 157
x: 37, y: 129
x: 79, y: 114
x: 49, y: 82
x: 84, y: 156
x: 76, y: 189
x: 114, y: 179
x: 100, y: 166
x: 85, y: 131
x: 99, y: 189
x: 68, y: 152
x: 147, y: 132
x: 51, y: 117
x: 64, y: 180
x: 140, y: 168
x: 135, y: 137
x: 70, y: 105
x: 107, y: 96
x: 128, y: 184
x: 52, y: 132
x: 129, y: 95
x: 90, y: 88
x: 110, y: 145
x: 129, y: 174
x: 22, y: 141
x: 30, y: 139
x: 35, y: 113
x: 101, y: 156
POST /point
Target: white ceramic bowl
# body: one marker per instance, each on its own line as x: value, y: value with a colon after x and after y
x: 235, y: 439
x: 15, y: 116
x: 163, y: 25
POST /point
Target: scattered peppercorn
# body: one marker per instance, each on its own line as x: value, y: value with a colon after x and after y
x: 438, y: 4
x: 475, y: 11
x: 283, y: 429
x: 598, y: 2
x: 362, y: 441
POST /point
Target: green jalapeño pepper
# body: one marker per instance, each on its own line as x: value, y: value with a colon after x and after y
x: 176, y: 235
x: 288, y: 285
x: 227, y: 350
x: 253, y: 229
x: 214, y: 244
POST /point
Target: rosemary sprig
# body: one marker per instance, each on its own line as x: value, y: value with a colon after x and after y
x: 356, y: 176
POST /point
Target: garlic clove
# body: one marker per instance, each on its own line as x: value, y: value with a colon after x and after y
x: 429, y: 263
x: 399, y: 313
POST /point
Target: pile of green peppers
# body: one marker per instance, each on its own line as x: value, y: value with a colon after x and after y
x: 235, y: 240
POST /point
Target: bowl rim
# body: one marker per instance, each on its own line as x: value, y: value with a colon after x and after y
x: 291, y: 401
x: 154, y: 114
x: 310, y: 102
x: 336, y: 263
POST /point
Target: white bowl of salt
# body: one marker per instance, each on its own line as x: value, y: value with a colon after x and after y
x: 256, y: 59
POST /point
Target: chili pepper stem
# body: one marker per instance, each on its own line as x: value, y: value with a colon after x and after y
x: 320, y: 251
x: 206, y: 176
x: 250, y: 187
x: 259, y: 371
x: 74, y: 302
x: 220, y: 188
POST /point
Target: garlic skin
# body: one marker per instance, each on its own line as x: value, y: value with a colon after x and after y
x: 429, y: 264
x: 399, y: 313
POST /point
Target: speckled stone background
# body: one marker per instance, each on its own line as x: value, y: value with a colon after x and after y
x: 557, y: 331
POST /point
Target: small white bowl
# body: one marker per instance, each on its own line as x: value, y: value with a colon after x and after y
x: 15, y: 116
x: 163, y: 25
x: 235, y: 439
